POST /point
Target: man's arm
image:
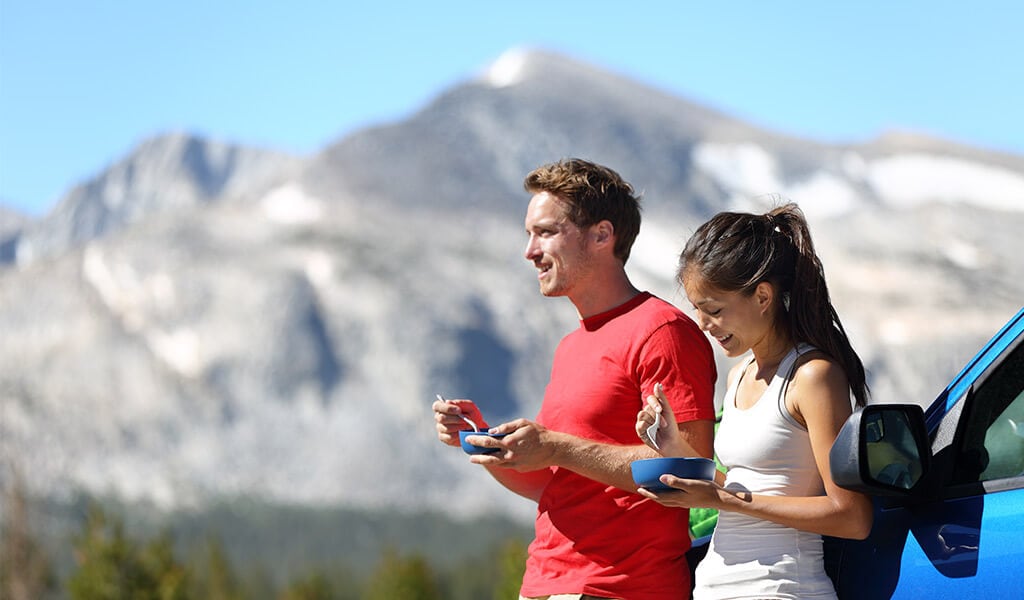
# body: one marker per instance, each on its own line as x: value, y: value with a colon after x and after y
x: 448, y: 419
x: 610, y: 464
x: 530, y: 447
x: 528, y: 484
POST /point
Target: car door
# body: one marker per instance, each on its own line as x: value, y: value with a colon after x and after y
x: 948, y: 486
x: 965, y: 542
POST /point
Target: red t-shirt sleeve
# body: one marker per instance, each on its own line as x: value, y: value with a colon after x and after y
x: 678, y: 355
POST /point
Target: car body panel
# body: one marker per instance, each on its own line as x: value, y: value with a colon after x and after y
x: 972, y: 550
x: 957, y: 538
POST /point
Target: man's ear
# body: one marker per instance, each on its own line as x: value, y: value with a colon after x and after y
x: 603, y: 232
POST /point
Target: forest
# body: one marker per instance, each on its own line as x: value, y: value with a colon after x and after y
x: 93, y: 549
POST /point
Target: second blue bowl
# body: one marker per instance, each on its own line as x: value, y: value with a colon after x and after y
x: 647, y: 471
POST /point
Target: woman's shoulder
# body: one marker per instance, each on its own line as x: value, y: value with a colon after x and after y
x: 814, y: 365
x: 817, y: 375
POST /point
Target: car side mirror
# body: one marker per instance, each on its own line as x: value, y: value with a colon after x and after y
x: 882, y: 450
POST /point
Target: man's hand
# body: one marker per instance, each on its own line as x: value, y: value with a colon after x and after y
x: 528, y: 446
x: 448, y: 421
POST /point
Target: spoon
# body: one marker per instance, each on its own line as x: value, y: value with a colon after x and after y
x: 652, y: 430
x: 461, y: 416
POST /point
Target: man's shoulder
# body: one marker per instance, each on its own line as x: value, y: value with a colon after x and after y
x: 657, y: 303
x: 663, y: 311
x: 658, y: 319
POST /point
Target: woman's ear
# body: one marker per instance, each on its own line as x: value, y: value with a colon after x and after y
x: 764, y: 293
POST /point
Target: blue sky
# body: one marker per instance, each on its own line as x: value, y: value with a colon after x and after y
x: 81, y: 83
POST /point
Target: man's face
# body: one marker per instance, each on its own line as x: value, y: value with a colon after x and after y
x: 556, y: 246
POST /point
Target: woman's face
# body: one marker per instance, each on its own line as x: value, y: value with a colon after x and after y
x: 738, y: 322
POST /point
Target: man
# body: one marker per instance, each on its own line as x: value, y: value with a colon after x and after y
x: 595, y: 537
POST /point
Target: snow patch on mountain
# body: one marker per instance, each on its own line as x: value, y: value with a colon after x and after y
x: 749, y: 171
x: 508, y: 69
x: 179, y: 349
x: 904, y: 180
x: 964, y: 254
x: 822, y: 195
x: 290, y: 205
x: 319, y: 268
x: 912, y: 179
x: 119, y: 300
x: 744, y: 168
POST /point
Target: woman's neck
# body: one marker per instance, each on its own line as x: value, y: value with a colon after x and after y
x: 770, y: 354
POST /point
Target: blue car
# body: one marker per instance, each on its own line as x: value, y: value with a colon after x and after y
x: 948, y: 483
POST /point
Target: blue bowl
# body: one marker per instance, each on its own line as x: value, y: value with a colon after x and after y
x: 471, y: 449
x: 647, y: 471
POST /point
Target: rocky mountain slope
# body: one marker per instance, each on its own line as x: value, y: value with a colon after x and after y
x: 205, y: 320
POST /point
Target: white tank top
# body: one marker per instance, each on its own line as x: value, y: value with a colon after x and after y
x: 766, y: 451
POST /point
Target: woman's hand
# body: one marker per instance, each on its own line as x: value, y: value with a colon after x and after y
x: 687, y: 493
x: 669, y: 442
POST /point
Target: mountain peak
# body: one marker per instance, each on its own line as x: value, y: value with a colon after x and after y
x: 162, y: 174
x: 523, y: 63
x: 507, y: 69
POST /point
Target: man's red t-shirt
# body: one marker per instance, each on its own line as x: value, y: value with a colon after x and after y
x: 597, y: 539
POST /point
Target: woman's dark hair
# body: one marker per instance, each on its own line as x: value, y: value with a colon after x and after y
x: 734, y: 252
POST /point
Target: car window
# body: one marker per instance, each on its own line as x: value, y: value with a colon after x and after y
x: 1004, y: 443
x: 992, y: 444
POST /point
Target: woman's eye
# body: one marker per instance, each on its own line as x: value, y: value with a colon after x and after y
x: 714, y: 313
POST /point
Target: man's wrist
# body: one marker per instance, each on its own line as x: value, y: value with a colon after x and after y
x: 558, y: 447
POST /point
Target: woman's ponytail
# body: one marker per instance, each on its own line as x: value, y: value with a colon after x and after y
x: 737, y: 251
x: 810, y: 314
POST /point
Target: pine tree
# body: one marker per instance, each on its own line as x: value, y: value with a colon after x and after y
x: 25, y: 570
x: 398, y: 578
x: 214, y: 576
x: 314, y: 587
x: 112, y: 566
x: 512, y: 565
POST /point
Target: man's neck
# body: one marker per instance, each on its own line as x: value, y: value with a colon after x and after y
x: 605, y: 297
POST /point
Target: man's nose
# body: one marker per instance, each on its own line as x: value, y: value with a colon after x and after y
x: 532, y: 249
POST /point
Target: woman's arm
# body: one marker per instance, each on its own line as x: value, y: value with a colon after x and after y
x: 693, y: 438
x: 819, y: 396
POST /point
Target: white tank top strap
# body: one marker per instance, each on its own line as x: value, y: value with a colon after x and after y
x: 785, y: 372
x: 729, y: 400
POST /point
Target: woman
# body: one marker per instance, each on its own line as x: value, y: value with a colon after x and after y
x: 757, y: 286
